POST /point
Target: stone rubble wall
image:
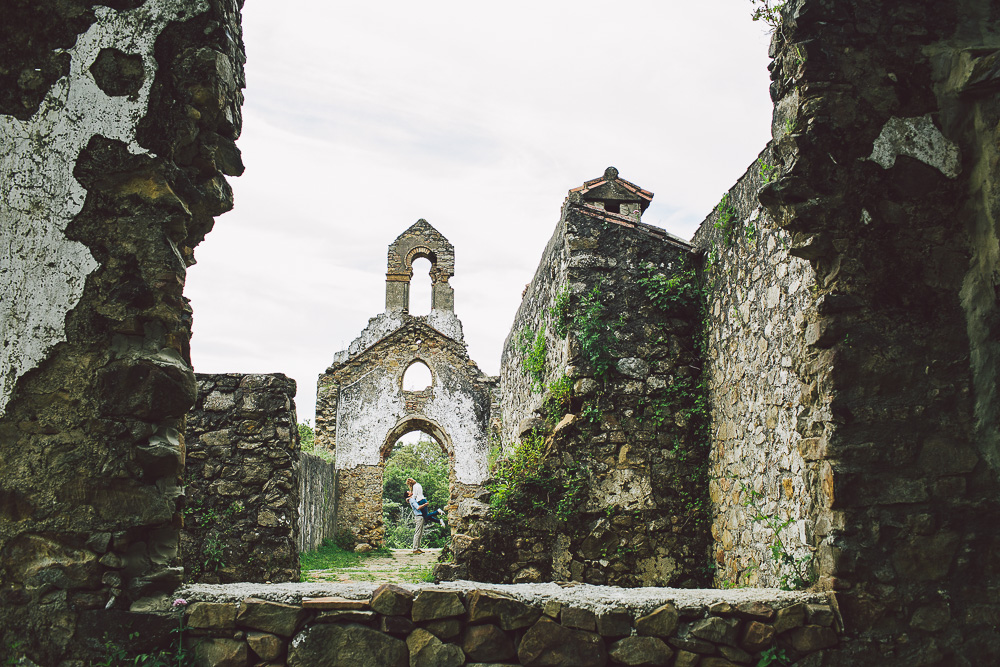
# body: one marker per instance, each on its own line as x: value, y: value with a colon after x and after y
x: 623, y: 495
x: 317, y: 492
x: 118, y: 124
x: 884, y: 127
x: 759, y: 301
x: 241, y: 512
x: 432, y: 626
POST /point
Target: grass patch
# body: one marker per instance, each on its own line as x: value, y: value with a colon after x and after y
x: 331, y: 557
x: 418, y: 574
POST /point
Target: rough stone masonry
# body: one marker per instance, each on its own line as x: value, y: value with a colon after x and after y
x: 878, y: 197
x: 117, y: 128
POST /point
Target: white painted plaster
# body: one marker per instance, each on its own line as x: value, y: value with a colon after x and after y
x: 44, y: 272
x: 455, y: 412
x: 446, y: 322
x: 375, y: 404
x: 383, y: 324
x: 378, y: 328
x: 918, y: 138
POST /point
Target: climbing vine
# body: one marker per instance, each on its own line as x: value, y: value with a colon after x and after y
x: 800, y: 575
x: 595, y: 330
x: 532, y: 348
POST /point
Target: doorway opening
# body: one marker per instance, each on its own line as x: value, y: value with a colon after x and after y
x: 420, y: 456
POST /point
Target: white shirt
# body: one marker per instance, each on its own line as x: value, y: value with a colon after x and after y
x: 418, y: 491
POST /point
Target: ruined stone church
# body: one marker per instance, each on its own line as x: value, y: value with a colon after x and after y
x: 802, y: 396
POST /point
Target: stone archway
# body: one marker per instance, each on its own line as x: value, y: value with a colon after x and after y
x: 362, y: 406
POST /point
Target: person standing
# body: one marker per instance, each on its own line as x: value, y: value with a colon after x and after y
x: 418, y: 519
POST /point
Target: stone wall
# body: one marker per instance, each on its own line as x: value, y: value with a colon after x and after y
x: 759, y: 303
x: 317, y: 491
x: 117, y: 126
x: 241, y: 513
x: 431, y: 626
x: 883, y: 132
x: 620, y: 497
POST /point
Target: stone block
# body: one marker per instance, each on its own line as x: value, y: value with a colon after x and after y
x: 267, y: 647
x: 212, y: 615
x: 221, y: 652
x: 819, y: 614
x: 716, y: 630
x: 614, y: 623
x: 552, y: 645
x: 926, y: 557
x: 686, y: 659
x: 345, y: 616
x: 327, y: 645
x: 757, y: 636
x: 692, y: 645
x: 493, y: 607
x: 662, y: 622
x: 392, y: 600
x: 445, y: 628
x: 272, y: 617
x: 736, y: 655
x: 426, y: 650
x: 758, y: 611
x: 430, y: 605
x: 790, y: 617
x: 487, y: 642
x: 930, y: 618
x: 640, y: 651
x: 581, y: 619
x: 340, y: 604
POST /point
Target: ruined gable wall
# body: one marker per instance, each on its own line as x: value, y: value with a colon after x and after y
x: 620, y: 494
x: 242, y: 481
x: 880, y: 131
x: 363, y: 392
x: 760, y: 301
x: 117, y: 126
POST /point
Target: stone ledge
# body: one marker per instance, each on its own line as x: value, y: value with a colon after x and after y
x: 652, y: 623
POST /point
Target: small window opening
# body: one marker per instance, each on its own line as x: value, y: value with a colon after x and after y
x: 417, y: 377
x: 420, y: 287
x: 613, y: 206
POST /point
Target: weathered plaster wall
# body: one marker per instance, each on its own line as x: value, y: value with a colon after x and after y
x: 317, y: 491
x: 362, y: 410
x: 242, y: 480
x: 117, y: 123
x: 620, y: 497
x: 759, y: 304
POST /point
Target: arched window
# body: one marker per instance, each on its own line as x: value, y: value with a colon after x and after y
x: 417, y: 377
x: 420, y: 287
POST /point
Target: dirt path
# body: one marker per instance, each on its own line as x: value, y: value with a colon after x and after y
x: 402, y: 566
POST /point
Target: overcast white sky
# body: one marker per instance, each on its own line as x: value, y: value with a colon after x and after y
x: 362, y: 117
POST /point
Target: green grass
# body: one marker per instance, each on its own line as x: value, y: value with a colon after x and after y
x: 418, y: 575
x: 329, y: 557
